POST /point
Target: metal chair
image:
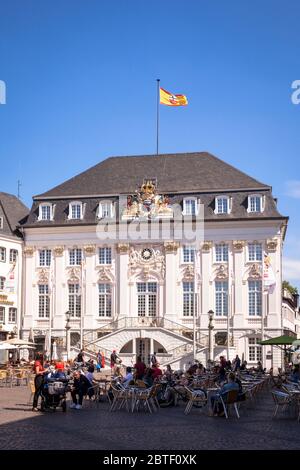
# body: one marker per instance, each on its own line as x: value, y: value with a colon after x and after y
x: 229, y: 399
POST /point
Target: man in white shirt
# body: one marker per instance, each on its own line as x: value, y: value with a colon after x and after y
x: 128, y: 377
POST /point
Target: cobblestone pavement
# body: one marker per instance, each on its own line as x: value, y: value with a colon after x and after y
x: 169, y: 429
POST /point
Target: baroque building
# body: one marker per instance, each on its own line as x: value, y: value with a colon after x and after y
x: 12, y: 213
x: 139, y: 249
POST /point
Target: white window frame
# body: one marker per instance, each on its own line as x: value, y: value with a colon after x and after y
x: 188, y: 254
x: 256, y: 258
x: 106, y: 259
x: 255, y: 298
x: 2, y: 283
x: 1, y: 223
x: 188, y: 299
x: 12, y: 310
x: 45, y: 257
x: 77, y: 204
x: 221, y: 299
x: 13, y: 255
x: 74, y: 253
x: 74, y: 300
x: 44, y: 301
x: 105, y: 210
x: 148, y: 294
x: 262, y: 203
x: 2, y: 318
x: 186, y: 200
x: 105, y: 298
x: 255, y: 348
x: 49, y: 207
x: 223, y: 254
x: 2, y: 254
x: 229, y: 204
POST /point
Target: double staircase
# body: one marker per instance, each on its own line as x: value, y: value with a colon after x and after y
x: 177, y: 339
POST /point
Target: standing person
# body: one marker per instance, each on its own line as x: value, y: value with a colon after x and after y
x: 154, y: 361
x: 99, y: 361
x: 102, y: 360
x: 140, y: 368
x: 80, y: 357
x: 236, y: 363
x: 114, y: 360
x: 39, y: 370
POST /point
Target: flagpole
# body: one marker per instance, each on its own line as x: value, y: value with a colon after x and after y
x: 263, y: 309
x: 157, y: 115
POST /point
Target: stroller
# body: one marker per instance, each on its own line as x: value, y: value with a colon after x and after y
x: 53, y: 394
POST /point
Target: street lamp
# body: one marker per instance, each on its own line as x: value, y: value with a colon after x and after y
x: 68, y: 328
x: 210, y: 337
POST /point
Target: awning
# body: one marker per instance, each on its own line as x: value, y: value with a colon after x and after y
x: 279, y: 341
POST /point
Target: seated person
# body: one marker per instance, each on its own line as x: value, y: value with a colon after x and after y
x: 295, y: 377
x: 156, y: 372
x: 227, y: 387
x: 80, y: 388
x: 90, y: 375
x: 128, y: 377
x: 148, y: 379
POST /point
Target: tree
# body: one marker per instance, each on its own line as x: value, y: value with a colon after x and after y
x: 286, y: 285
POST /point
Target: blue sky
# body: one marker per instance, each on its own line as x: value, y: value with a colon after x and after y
x: 81, y: 86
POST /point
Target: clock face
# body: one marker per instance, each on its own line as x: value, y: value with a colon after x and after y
x: 146, y: 253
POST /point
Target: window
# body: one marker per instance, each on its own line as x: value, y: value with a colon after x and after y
x: 105, y: 255
x: 2, y: 254
x: 75, y: 256
x: 255, y: 252
x: 188, y: 299
x: 2, y: 282
x: 104, y: 300
x: 221, y: 298
x: 105, y: 210
x: 1, y: 222
x: 190, y: 206
x: 45, y: 212
x: 74, y: 300
x: 147, y: 299
x: 255, y: 203
x: 188, y: 253
x: 221, y: 251
x: 13, y: 255
x: 44, y: 301
x: 75, y: 210
x: 45, y: 257
x: 255, y: 298
x: 222, y: 205
x: 255, y: 353
x: 2, y: 314
x: 12, y: 315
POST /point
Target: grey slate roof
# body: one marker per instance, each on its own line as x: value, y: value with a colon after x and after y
x: 178, y: 175
x: 13, y: 212
x: 179, y: 172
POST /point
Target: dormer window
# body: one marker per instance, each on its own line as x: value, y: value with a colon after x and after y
x: 46, y: 212
x: 190, y: 206
x: 222, y: 205
x: 105, y: 210
x: 1, y: 222
x: 255, y: 203
x: 75, y: 210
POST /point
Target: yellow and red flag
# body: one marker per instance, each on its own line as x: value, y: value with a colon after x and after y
x: 169, y: 99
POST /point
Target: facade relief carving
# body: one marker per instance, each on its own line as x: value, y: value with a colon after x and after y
x: 105, y: 274
x: 272, y: 244
x: 171, y: 247
x: 29, y: 250
x: 147, y: 203
x: 123, y: 248
x: 73, y: 275
x: 58, y: 250
x: 252, y: 272
x: 146, y: 263
x: 89, y: 250
x: 206, y: 246
x: 238, y: 245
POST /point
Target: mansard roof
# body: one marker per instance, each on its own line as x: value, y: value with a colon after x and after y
x: 177, y: 175
x: 177, y: 172
x: 13, y: 212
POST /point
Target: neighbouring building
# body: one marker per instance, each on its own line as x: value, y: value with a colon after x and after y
x: 12, y: 213
x: 104, y: 246
x: 290, y: 313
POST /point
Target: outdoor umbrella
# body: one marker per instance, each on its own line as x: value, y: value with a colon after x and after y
x: 7, y: 346
x: 54, y: 351
x: 19, y: 342
x: 279, y: 341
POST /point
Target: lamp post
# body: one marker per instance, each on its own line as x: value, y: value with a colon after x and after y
x: 210, y: 337
x: 68, y: 328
